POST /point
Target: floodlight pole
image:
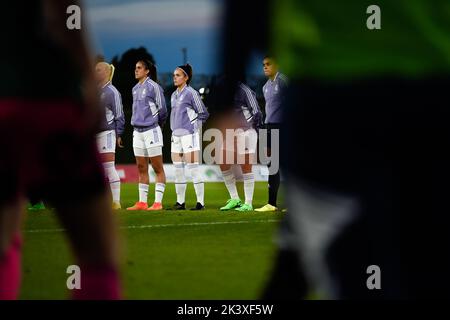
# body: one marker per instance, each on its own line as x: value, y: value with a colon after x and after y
x: 184, y: 51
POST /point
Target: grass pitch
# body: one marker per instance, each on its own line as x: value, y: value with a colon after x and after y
x: 166, y: 254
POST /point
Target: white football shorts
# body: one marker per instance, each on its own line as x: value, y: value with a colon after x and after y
x: 106, y: 141
x: 185, y: 144
x: 246, y: 142
x: 148, y: 143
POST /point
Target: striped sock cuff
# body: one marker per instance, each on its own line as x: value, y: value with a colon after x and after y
x: 178, y: 165
x: 248, y: 176
x: 227, y: 173
x: 160, y: 187
x: 143, y: 186
x: 108, y: 165
x: 192, y: 165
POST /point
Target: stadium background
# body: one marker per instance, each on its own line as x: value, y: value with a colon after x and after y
x: 166, y: 254
x: 124, y: 82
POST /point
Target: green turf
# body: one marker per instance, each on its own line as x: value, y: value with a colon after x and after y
x: 168, y: 254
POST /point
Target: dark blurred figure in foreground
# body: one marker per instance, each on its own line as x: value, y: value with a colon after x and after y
x: 365, y: 144
x: 49, y: 113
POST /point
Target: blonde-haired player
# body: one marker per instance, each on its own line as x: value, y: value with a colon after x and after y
x: 112, y: 127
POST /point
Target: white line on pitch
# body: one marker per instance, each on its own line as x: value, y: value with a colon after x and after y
x: 165, y: 225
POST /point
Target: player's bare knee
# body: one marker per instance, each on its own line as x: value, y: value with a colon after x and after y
x: 142, y: 168
x: 158, y: 169
x: 225, y: 167
x: 176, y: 157
x: 246, y: 168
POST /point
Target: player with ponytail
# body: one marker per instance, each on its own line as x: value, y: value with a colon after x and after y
x: 188, y: 114
x: 149, y: 116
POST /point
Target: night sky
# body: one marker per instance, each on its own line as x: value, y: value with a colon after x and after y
x: 164, y: 27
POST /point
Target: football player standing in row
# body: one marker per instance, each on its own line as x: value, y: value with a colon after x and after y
x: 186, y: 119
x: 247, y: 118
x: 112, y: 127
x: 149, y: 116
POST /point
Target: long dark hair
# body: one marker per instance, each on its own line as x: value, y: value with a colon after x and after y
x: 152, y: 72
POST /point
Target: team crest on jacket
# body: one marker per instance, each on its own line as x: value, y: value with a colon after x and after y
x: 276, y: 87
x: 143, y: 92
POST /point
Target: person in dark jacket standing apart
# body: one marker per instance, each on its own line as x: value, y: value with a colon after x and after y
x: 274, y: 92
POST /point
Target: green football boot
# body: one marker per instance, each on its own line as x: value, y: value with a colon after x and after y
x: 37, y: 207
x: 245, y: 207
x: 231, y: 204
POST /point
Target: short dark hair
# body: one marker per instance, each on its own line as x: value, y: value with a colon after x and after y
x: 270, y: 57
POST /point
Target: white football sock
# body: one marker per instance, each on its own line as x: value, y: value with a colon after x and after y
x: 143, y: 192
x: 113, y: 178
x: 230, y: 182
x: 199, y: 186
x: 249, y: 187
x: 159, y: 192
x: 180, y: 182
